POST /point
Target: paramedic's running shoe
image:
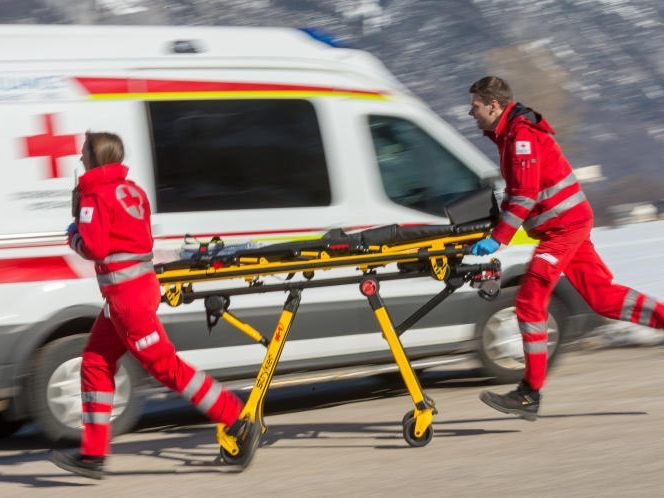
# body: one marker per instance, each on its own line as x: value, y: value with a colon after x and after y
x: 248, y: 435
x: 523, y: 401
x: 86, y: 466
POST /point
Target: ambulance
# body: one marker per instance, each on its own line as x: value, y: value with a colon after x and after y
x: 250, y: 134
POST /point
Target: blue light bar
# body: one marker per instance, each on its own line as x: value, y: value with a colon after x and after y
x: 323, y: 37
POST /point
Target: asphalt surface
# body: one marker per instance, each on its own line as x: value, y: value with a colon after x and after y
x: 601, y: 434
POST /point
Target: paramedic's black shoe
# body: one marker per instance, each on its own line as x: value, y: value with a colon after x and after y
x: 248, y: 435
x: 523, y: 401
x: 86, y: 466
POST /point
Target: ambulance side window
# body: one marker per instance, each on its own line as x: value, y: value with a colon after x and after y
x: 237, y: 154
x: 416, y: 170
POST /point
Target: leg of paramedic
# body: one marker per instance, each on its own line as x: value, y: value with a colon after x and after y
x: 594, y: 281
x: 134, y: 322
x: 100, y: 358
x: 550, y: 259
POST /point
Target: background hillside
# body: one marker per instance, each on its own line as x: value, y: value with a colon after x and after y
x: 594, y: 68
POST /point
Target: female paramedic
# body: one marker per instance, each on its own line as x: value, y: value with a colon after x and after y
x: 543, y: 195
x: 112, y: 228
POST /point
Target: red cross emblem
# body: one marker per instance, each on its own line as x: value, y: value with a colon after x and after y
x: 50, y: 145
x: 130, y: 200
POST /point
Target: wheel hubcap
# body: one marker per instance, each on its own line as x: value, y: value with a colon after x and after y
x: 503, y: 343
x: 63, y: 393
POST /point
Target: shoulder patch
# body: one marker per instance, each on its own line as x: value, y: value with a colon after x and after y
x: 131, y: 200
x: 85, y: 215
x: 522, y: 147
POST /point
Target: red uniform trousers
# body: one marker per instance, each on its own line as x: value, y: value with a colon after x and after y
x: 129, y: 323
x: 571, y: 252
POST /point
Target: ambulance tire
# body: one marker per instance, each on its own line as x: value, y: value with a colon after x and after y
x: 499, y: 346
x: 54, y: 391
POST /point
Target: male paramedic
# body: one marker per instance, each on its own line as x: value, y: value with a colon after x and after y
x: 113, y: 230
x: 544, y: 197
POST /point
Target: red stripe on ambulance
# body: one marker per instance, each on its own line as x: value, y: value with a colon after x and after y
x: 96, y: 86
x: 39, y: 269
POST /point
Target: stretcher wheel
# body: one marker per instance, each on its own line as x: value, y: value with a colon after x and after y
x: 409, y: 432
x: 230, y: 459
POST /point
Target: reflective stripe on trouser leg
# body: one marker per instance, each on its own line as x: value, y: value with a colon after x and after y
x: 531, y: 310
x: 535, y: 353
x: 211, y: 399
x: 96, y: 418
x: 642, y: 309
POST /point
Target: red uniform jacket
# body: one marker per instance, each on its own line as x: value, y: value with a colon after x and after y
x: 113, y: 226
x: 541, y: 192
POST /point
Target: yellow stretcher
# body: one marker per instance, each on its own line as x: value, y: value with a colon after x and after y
x: 381, y: 254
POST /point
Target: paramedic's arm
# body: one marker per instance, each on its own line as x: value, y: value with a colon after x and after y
x: 91, y: 241
x: 522, y: 185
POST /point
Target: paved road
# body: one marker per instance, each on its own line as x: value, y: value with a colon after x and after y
x: 601, y: 434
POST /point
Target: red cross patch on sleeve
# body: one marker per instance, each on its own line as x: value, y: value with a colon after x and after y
x: 523, y: 147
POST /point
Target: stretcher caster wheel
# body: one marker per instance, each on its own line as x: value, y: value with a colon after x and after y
x: 410, y: 414
x: 409, y: 432
x: 248, y: 439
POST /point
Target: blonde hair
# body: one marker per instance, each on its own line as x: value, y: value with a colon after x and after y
x: 104, y: 148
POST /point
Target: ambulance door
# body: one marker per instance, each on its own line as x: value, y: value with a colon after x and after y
x: 418, y: 162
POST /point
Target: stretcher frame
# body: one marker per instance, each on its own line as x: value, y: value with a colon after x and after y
x: 437, y: 253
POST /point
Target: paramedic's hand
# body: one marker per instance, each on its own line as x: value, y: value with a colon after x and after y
x: 72, y: 229
x: 485, y: 246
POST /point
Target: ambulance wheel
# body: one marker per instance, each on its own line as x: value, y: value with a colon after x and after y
x: 500, y: 347
x: 409, y: 432
x: 55, y: 391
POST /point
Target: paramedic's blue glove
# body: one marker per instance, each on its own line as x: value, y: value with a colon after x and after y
x: 72, y: 229
x: 485, y: 246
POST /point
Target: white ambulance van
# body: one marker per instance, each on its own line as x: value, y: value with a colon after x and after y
x: 248, y: 133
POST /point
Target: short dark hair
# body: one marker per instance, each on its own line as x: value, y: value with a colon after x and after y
x: 104, y: 148
x: 492, y: 88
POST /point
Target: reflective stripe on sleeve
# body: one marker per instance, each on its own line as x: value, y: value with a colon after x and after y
x: 125, y: 274
x: 524, y: 202
x: 511, y: 219
x: 628, y: 305
x: 555, y: 211
x: 76, y: 242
